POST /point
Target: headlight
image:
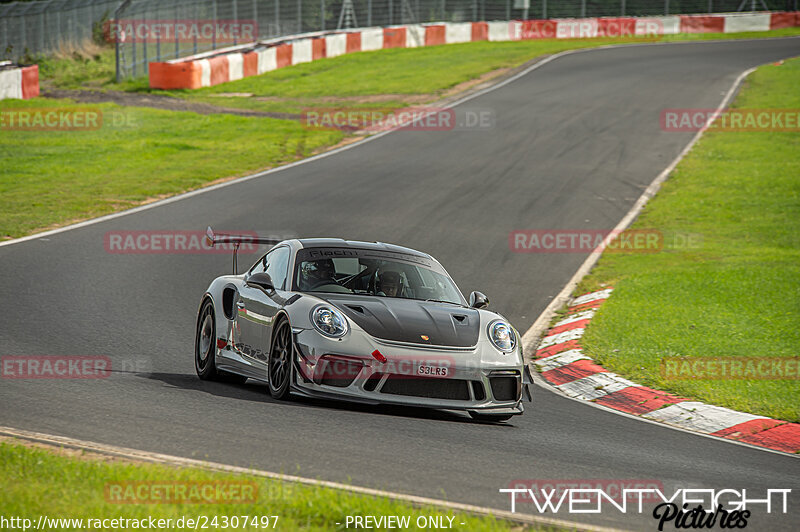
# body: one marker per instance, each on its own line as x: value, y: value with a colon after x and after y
x: 329, y: 321
x: 502, y: 336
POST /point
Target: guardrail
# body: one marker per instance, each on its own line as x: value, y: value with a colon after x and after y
x: 221, y: 66
x: 272, y: 19
x: 30, y: 29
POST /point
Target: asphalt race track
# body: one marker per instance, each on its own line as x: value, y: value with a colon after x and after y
x: 575, y: 143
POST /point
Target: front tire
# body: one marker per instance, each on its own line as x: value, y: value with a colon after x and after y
x: 281, y: 355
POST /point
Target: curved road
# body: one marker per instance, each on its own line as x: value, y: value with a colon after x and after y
x: 575, y: 142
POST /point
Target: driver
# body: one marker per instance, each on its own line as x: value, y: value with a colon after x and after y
x: 389, y: 284
x: 317, y: 272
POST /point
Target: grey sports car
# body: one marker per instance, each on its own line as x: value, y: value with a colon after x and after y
x: 359, y: 321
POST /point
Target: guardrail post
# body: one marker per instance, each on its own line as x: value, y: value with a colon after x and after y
x: 41, y: 32
x: 158, y: 37
x: 133, y: 51
x: 116, y: 56
x: 544, y: 9
x: 255, y: 14
x: 322, y: 14
x: 177, y: 46
x: 299, y: 16
x: 583, y: 8
x: 369, y: 13
x: 277, y: 17
x: 24, y: 34
x: 666, y: 7
x: 144, y: 55
x: 235, y: 21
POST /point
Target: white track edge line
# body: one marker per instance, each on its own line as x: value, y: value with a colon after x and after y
x: 236, y: 181
x: 417, y: 501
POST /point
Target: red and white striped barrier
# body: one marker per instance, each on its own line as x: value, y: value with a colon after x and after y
x: 21, y: 82
x: 562, y: 363
x: 220, y: 66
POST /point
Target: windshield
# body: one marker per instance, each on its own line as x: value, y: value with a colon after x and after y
x: 375, y: 273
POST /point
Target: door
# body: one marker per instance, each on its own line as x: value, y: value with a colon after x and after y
x: 256, y: 308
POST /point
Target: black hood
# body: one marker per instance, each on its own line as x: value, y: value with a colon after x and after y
x: 410, y: 320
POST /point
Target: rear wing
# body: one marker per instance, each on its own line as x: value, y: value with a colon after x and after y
x: 213, y: 238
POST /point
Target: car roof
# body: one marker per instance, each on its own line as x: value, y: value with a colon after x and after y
x: 342, y: 243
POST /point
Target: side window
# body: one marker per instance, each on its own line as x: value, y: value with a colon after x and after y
x: 258, y: 267
x: 278, y: 266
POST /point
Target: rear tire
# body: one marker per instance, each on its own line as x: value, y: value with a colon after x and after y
x: 281, y: 361
x: 205, y: 348
x: 490, y: 418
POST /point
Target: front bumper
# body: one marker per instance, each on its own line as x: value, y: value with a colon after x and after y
x: 403, y: 374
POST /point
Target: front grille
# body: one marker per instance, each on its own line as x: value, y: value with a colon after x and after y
x: 478, y: 391
x: 427, y: 387
x: 336, y: 372
x: 372, y: 382
x: 505, y: 388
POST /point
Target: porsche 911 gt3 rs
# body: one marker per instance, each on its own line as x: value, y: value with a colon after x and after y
x: 360, y: 321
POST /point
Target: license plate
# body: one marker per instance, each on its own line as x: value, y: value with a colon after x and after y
x: 433, y: 371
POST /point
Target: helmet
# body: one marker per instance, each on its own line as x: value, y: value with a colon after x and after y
x: 389, y: 281
x: 317, y: 270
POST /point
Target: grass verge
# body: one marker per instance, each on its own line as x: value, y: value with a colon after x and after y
x: 37, y: 482
x: 736, y: 293
x: 138, y: 154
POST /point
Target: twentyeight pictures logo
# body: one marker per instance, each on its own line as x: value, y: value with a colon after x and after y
x: 682, y: 508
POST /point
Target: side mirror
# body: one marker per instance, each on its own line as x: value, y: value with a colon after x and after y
x: 478, y: 300
x: 261, y: 280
